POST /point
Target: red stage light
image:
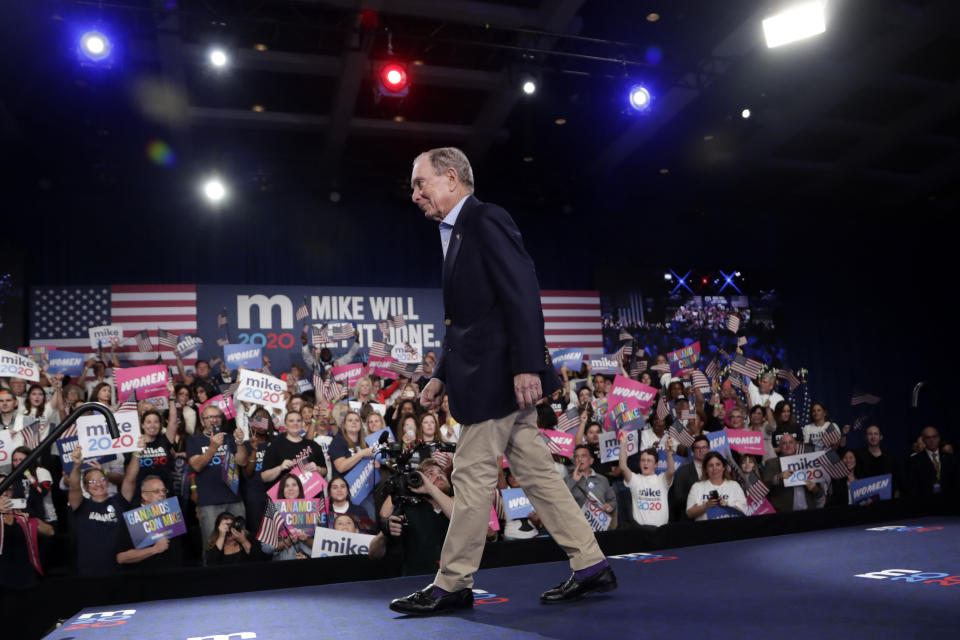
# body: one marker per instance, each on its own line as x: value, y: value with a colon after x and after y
x: 394, y: 77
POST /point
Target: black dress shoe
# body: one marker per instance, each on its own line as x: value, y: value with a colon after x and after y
x: 603, y: 580
x: 422, y: 603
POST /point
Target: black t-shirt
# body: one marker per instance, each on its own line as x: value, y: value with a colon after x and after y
x: 171, y: 558
x: 211, y: 489
x: 217, y: 556
x: 156, y: 459
x: 339, y: 448
x: 16, y: 572
x: 96, y: 526
x: 796, y: 432
x: 255, y: 488
x: 301, y: 453
x: 423, y: 539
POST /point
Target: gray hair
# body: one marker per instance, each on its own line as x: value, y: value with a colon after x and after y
x: 444, y: 158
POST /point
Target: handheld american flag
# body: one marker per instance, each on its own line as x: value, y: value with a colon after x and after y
x: 713, y: 369
x: 637, y: 367
x: 700, y: 381
x: 319, y: 337
x: 864, y: 398
x: 831, y: 436
x: 790, y: 377
x: 681, y: 435
x: 833, y: 465
x: 661, y: 368
x: 167, y: 339
x: 303, y: 311
x: 343, y: 331
x: 127, y: 405
x: 663, y: 410
x: 261, y: 423
x: 742, y: 340
x: 733, y: 323
x: 378, y: 349
x: 569, y: 420
x: 143, y: 341
x: 332, y: 391
x: 273, y: 523
x: 757, y: 491
x: 747, y: 366
x: 397, y: 321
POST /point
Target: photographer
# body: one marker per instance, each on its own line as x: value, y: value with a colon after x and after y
x: 230, y: 543
x: 421, y: 523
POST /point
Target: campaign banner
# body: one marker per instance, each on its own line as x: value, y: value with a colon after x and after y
x: 803, y: 466
x: 610, y: 443
x: 662, y: 461
x: 149, y: 523
x: 361, y: 480
x: 572, y: 358
x: 66, y: 362
x: 65, y: 447
x: 759, y: 508
x: 637, y: 396
x: 605, y: 364
x: 718, y: 442
x: 331, y: 542
x: 407, y: 353
x: 561, y: 443
x: 300, y: 514
x: 14, y: 365
x: 248, y: 356
x: 598, y: 519
x: 866, y: 490
x: 683, y: 359
x: 95, y: 436
x: 262, y: 389
x: 230, y: 472
x: 746, y: 441
x: 105, y: 336
x: 132, y: 379
x: 157, y: 396
x: 515, y: 503
x: 347, y: 374
x: 380, y: 367
x: 224, y: 403
x: 719, y: 513
x: 188, y: 344
x: 312, y: 482
x: 6, y: 447
x: 265, y: 315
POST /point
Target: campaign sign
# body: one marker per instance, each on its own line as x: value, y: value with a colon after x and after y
x: 605, y: 364
x: 303, y: 385
x: 599, y: 409
x: 347, y: 374
x: 6, y: 446
x: 225, y: 404
x: 361, y: 480
x: 562, y: 442
x: 149, y: 523
x: 300, y: 514
x: 746, y: 441
x: 15, y: 365
x: 803, y: 466
x: 312, y: 482
x: 759, y: 508
x: 331, y: 542
x: 65, y: 362
x: 718, y: 442
x: 870, y: 489
x: 516, y: 504
x: 573, y: 358
x: 108, y: 334
x: 407, y: 353
x: 719, y: 513
x: 249, y: 356
x: 157, y: 396
x: 188, y: 344
x: 230, y: 472
x: 36, y: 353
x: 380, y: 367
x: 610, y: 445
x: 662, y: 461
x: 95, y: 436
x: 636, y: 394
x: 262, y: 389
x: 682, y: 359
x: 598, y: 519
x: 66, y: 446
x: 153, y: 376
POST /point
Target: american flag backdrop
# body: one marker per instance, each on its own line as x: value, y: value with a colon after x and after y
x: 572, y: 319
x: 61, y: 316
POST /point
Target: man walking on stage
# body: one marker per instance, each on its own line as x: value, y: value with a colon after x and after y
x: 494, y: 366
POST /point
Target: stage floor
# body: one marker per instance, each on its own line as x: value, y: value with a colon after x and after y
x: 856, y: 582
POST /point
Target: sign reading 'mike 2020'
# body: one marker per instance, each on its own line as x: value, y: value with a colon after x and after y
x: 267, y: 316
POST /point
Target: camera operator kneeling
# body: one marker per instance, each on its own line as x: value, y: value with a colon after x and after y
x: 419, y: 521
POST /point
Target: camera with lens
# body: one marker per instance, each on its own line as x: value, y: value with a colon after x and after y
x: 406, y: 476
x: 238, y: 523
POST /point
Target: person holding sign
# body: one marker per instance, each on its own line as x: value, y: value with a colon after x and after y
x: 648, y: 489
x: 785, y: 499
x: 165, y: 552
x: 715, y: 489
x: 291, y: 450
x: 494, y: 366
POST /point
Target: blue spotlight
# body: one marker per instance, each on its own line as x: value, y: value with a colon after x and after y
x: 728, y: 280
x: 95, y: 46
x: 681, y: 282
x: 639, y: 98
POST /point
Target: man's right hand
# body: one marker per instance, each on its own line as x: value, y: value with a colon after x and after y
x: 216, y: 440
x: 396, y: 525
x: 432, y: 394
x: 161, y: 545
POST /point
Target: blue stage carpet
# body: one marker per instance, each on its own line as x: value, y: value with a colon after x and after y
x: 795, y: 586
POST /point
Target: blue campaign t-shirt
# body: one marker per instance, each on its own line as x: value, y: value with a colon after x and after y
x: 96, y: 526
x: 211, y: 489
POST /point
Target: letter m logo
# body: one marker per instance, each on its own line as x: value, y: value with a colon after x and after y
x: 242, y: 635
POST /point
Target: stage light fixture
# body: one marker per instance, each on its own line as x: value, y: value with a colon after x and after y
x: 393, y: 80
x: 214, y: 190
x: 745, y: 114
x: 529, y: 87
x: 218, y: 58
x: 95, y: 46
x: 639, y: 98
x: 796, y: 23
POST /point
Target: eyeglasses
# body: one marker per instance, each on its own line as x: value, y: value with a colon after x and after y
x: 97, y: 481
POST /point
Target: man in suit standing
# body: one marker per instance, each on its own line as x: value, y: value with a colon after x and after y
x: 494, y: 366
x: 931, y: 471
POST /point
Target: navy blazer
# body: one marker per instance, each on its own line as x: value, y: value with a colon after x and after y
x: 493, y: 317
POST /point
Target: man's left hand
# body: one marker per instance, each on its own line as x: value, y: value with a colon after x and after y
x: 528, y: 390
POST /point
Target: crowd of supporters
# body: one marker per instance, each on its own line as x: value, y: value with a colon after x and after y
x: 187, y: 441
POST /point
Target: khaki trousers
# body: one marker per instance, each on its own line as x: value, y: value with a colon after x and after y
x: 475, y: 481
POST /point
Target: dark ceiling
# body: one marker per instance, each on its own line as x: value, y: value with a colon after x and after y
x: 863, y: 118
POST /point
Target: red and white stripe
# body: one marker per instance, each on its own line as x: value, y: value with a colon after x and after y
x: 572, y: 319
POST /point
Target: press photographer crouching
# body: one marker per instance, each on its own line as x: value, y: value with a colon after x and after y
x: 417, y: 510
